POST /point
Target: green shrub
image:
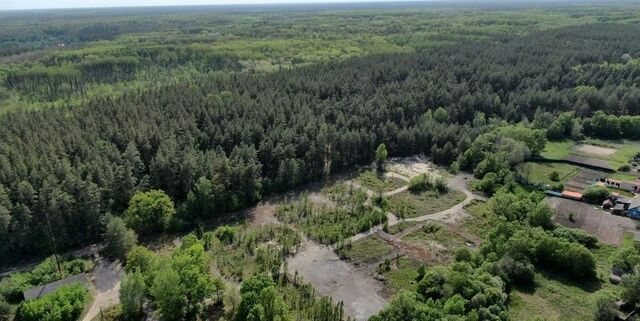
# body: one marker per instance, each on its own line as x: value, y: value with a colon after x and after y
x: 626, y: 257
x: 556, y: 186
x: 595, y: 194
x: 575, y: 235
x: 425, y: 182
x: 605, y: 309
x: 624, y: 168
x: 430, y: 228
x: 225, y: 234
x: 64, y: 304
x: 517, y: 271
x: 441, y: 185
x: 488, y: 184
x: 149, y: 212
x: 43, y: 273
x: 420, y: 183
x: 6, y: 313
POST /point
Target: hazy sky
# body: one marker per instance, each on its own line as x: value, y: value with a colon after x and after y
x: 45, y: 4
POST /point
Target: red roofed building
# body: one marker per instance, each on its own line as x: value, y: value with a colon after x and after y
x: 572, y: 195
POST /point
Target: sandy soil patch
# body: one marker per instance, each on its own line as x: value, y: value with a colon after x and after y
x: 262, y: 214
x: 594, y: 150
x: 338, y: 279
x: 411, y: 166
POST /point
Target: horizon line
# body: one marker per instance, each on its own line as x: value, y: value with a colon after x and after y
x: 276, y: 3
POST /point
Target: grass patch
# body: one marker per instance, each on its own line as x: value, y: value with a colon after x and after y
x: 480, y: 220
x: 626, y: 149
x: 557, y: 149
x: 402, y: 275
x: 374, y: 182
x: 557, y: 299
x: 623, y: 176
x: 432, y: 232
x: 401, y: 226
x: 439, y: 242
x: 540, y: 173
x: 365, y: 250
x: 112, y: 313
x: 424, y: 203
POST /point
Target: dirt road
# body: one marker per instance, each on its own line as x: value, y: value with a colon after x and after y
x: 454, y: 214
x: 459, y: 182
x: 106, y: 278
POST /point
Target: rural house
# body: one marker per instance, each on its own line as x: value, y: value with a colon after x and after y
x: 623, y: 185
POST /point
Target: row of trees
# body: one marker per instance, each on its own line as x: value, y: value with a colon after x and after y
x: 600, y: 125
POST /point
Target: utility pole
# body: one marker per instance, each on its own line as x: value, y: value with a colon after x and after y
x: 53, y: 244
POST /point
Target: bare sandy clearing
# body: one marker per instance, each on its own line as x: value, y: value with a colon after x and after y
x: 594, y: 150
x: 408, y: 167
x: 338, y: 279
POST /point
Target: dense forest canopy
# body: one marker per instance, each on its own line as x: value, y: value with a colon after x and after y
x: 242, y: 135
x: 155, y: 133
x: 66, y: 58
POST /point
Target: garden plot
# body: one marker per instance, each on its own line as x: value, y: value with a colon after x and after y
x: 583, y: 179
x: 609, y: 228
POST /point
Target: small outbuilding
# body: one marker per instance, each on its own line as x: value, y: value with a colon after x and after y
x: 572, y: 195
x: 626, y: 203
x: 618, y: 209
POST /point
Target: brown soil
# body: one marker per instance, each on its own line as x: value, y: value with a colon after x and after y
x: 607, y: 227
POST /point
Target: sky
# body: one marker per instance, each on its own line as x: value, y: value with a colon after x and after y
x: 50, y: 4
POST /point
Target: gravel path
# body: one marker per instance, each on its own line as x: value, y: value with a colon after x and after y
x: 106, y: 278
x: 458, y: 182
